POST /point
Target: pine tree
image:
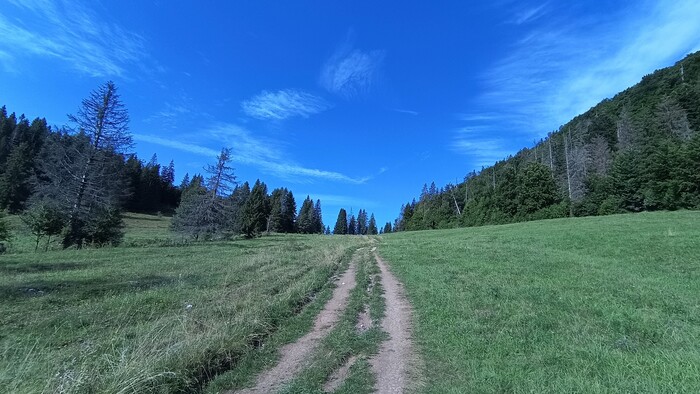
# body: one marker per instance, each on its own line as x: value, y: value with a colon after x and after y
x: 372, y: 227
x: 14, y: 182
x: 341, y: 224
x: 289, y: 213
x: 86, y: 174
x: 317, y: 218
x: 256, y: 210
x: 361, y: 222
x: 305, y: 219
x: 352, y: 225
x: 238, y: 199
x: 387, y: 228
x: 206, y: 210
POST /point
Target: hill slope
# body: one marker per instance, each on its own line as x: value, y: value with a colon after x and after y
x: 599, y: 304
x: 639, y: 151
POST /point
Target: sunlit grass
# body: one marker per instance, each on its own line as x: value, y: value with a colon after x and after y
x: 161, y: 319
x: 601, y: 304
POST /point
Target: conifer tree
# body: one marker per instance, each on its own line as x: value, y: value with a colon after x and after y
x: 341, y: 224
x: 317, y: 219
x: 305, y: 219
x: 361, y: 222
x: 372, y: 227
x: 256, y: 210
x: 352, y: 225
x: 387, y: 228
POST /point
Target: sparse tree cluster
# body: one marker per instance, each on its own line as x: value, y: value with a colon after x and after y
x: 74, y: 183
x: 360, y: 225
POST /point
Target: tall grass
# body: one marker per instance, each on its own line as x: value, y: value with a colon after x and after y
x: 167, y: 319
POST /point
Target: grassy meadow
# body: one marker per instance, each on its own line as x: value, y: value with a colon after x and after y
x: 596, y: 305
x: 155, y: 319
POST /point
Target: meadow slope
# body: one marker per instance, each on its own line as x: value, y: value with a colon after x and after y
x: 599, y: 304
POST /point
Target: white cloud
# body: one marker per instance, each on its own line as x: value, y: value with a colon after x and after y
x: 265, y: 154
x: 479, y: 146
x: 347, y: 202
x: 406, y: 111
x: 530, y: 14
x: 351, y: 72
x: 283, y: 104
x: 71, y: 32
x: 185, y: 147
x: 564, y: 65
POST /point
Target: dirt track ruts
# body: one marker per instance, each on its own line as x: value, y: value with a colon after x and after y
x: 295, y: 354
x: 396, y: 361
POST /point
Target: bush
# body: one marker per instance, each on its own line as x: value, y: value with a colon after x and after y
x: 5, y: 234
x: 105, y: 228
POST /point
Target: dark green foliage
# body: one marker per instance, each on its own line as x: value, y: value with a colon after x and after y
x: 237, y: 201
x: 282, y: 211
x: 206, y: 209
x: 638, y: 151
x: 20, y: 144
x: 387, y: 228
x: 5, y: 234
x: 105, y: 228
x: 362, y: 224
x: 256, y: 211
x: 310, y: 220
x: 352, y: 225
x: 317, y: 219
x: 536, y: 189
x: 43, y: 219
x: 341, y: 224
x: 372, y: 227
x: 189, y: 215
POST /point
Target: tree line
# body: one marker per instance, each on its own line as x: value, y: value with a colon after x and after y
x: 639, y: 151
x: 75, y: 182
x: 360, y: 225
x: 216, y: 206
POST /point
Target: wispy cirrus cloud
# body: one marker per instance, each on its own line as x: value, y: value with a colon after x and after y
x: 266, y: 154
x: 530, y: 14
x: 283, y: 104
x: 347, y: 202
x: 480, y: 145
x: 563, y: 65
x: 351, y: 72
x: 72, y: 32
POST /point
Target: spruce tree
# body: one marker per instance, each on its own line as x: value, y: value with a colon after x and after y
x: 256, y: 210
x: 372, y: 227
x: 341, y: 224
x: 289, y: 212
x: 305, y: 219
x: 387, y: 228
x: 352, y: 225
x: 317, y: 218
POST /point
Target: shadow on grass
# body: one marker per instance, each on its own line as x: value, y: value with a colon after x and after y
x: 23, y: 268
x: 80, y: 289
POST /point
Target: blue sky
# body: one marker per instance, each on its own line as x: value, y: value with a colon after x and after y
x: 356, y: 103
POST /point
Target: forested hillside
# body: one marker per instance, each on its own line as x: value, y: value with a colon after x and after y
x: 639, y: 151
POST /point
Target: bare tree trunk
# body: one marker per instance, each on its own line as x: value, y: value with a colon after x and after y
x: 568, y: 172
x: 551, y: 158
x: 459, y: 211
x: 493, y: 173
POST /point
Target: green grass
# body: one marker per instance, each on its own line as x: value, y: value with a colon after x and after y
x: 160, y: 319
x: 139, y: 230
x: 595, y: 305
